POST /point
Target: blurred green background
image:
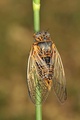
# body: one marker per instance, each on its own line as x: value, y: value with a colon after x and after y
x: 62, y: 18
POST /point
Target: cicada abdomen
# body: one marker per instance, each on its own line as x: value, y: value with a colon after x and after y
x: 45, y: 69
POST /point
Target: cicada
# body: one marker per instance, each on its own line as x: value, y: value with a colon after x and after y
x: 45, y: 69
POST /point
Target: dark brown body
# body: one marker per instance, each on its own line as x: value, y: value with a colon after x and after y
x: 44, y: 52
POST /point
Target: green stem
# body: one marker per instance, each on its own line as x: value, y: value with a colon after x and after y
x: 36, y: 11
x: 38, y: 112
x: 38, y: 106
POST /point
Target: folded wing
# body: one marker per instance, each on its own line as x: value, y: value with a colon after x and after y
x: 59, y: 81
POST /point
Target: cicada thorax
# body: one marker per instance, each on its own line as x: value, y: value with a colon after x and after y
x: 45, y: 68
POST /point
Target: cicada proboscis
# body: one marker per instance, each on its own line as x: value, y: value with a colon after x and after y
x: 45, y: 64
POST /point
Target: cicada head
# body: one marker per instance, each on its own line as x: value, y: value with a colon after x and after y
x: 42, y: 36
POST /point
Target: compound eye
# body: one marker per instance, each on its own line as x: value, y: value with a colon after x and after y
x: 46, y: 32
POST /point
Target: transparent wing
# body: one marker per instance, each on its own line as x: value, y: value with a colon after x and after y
x: 36, y: 85
x: 59, y: 81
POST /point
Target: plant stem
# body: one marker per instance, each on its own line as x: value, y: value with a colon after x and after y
x: 38, y: 106
x: 38, y: 112
x: 36, y: 11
